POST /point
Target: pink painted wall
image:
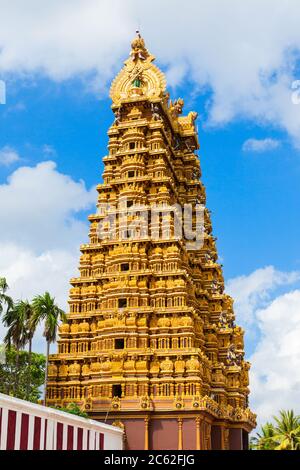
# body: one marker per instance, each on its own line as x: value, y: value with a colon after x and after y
x: 163, y: 434
x: 235, y: 439
x: 135, y: 434
x: 189, y: 434
x: 216, y: 438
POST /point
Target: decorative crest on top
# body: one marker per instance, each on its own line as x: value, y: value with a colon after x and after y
x: 139, y: 78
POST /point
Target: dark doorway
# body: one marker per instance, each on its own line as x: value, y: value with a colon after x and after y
x: 119, y: 343
x: 117, y: 391
x: 122, y: 303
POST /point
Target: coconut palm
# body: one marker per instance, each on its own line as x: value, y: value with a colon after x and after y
x: 4, y: 298
x: 263, y: 439
x: 16, y: 321
x: 47, y: 312
x: 284, y: 434
x: 26, y: 311
x: 287, y: 431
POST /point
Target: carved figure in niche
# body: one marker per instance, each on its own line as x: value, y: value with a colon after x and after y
x: 117, y: 117
x: 154, y: 366
x: 63, y: 369
x: 234, y: 357
x: 85, y: 369
x: 166, y: 365
x: 192, y: 364
x: 223, y: 321
x: 179, y: 365
x: 74, y: 368
x: 74, y: 327
x: 64, y: 328
x: 52, y: 369
x: 155, y: 112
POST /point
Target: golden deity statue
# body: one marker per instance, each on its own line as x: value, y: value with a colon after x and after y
x: 150, y: 340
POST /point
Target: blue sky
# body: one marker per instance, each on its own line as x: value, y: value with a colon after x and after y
x: 233, y: 67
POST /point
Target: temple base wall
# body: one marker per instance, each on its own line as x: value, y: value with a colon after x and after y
x: 180, y: 432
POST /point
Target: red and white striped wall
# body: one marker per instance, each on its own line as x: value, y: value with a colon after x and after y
x: 27, y: 426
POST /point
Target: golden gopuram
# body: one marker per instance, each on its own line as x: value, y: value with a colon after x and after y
x: 151, y: 343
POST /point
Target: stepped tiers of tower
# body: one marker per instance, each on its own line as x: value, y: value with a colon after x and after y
x: 151, y: 341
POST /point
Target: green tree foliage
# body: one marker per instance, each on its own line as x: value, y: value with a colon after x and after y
x: 5, y: 300
x: 263, y: 439
x: 283, y: 434
x: 46, y: 311
x: 74, y: 410
x: 21, y: 376
x: 20, y: 329
x: 21, y: 319
x: 287, y: 431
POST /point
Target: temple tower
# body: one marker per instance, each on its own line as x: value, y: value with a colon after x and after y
x: 151, y: 341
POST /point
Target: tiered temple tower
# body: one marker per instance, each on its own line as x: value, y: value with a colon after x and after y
x: 151, y: 342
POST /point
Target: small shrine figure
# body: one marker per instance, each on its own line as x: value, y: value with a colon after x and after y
x: 63, y: 369
x: 230, y: 320
x: 117, y: 117
x: 223, y: 320
x: 166, y: 365
x: 176, y: 107
x: 74, y: 327
x: 234, y: 358
x: 74, y: 368
x: 138, y: 48
x: 192, y: 364
x: 137, y: 81
x: 216, y: 287
x: 155, y: 112
x: 179, y: 365
x: 64, y: 328
x: 52, y: 369
x: 154, y: 366
x: 208, y: 257
x: 85, y: 369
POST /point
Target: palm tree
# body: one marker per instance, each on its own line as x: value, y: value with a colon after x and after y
x: 287, y: 431
x: 15, y: 319
x: 45, y: 310
x: 26, y: 312
x: 284, y: 434
x: 263, y: 439
x: 4, y: 298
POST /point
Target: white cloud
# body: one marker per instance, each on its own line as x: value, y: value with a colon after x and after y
x: 8, y: 156
x: 252, y: 291
x: 275, y: 374
x: 274, y: 319
x: 41, y: 231
x: 29, y: 273
x: 39, y: 206
x: 260, y: 145
x: 245, y: 52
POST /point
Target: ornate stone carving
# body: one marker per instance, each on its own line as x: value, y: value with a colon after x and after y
x: 52, y: 369
x: 166, y: 366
